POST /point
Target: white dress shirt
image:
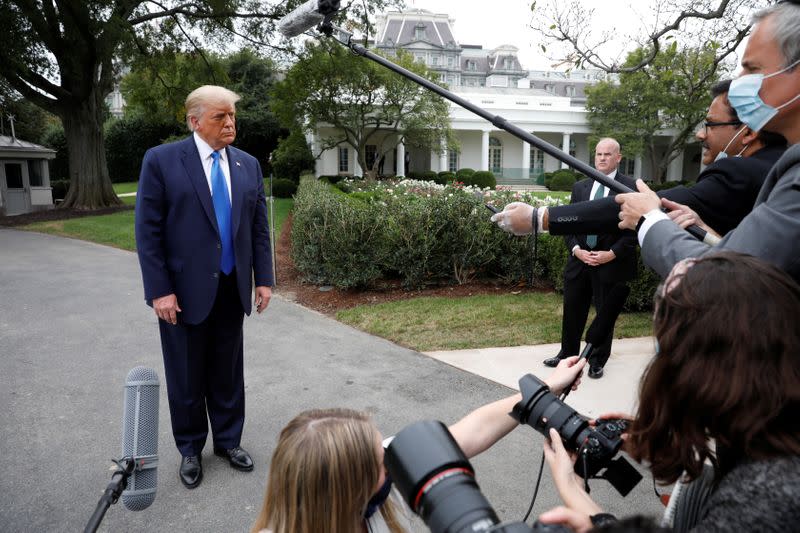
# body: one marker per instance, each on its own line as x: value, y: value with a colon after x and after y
x: 205, y: 157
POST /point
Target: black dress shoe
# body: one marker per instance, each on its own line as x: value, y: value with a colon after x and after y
x: 553, y: 361
x: 595, y: 372
x: 238, y: 458
x: 191, y: 471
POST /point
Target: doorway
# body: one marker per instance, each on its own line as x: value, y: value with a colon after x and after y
x: 16, y: 187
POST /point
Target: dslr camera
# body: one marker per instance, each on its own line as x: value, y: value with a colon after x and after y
x: 596, y: 446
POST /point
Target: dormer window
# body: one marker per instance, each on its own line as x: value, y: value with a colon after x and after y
x: 508, y: 63
x: 570, y: 90
x: 419, y: 32
x: 549, y: 88
x: 471, y: 65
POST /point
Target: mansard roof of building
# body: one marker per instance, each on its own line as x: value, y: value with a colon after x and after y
x: 400, y: 29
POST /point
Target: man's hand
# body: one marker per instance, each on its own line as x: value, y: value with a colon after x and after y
x: 684, y: 216
x: 515, y: 218
x: 634, y: 205
x: 586, y: 256
x: 263, y: 295
x: 602, y: 257
x: 167, y: 308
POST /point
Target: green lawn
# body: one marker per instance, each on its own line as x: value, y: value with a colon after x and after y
x: 441, y: 323
x: 552, y: 194
x: 122, y: 188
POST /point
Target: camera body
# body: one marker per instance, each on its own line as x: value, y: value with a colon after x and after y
x: 596, y: 446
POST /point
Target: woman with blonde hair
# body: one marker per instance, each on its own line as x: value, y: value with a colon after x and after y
x: 327, y: 470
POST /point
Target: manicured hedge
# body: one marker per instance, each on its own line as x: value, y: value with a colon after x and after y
x: 361, y: 238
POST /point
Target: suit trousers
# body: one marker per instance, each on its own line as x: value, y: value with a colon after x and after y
x: 204, y: 369
x: 579, y: 292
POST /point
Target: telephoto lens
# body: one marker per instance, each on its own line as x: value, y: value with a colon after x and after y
x: 596, y: 446
x: 436, y: 479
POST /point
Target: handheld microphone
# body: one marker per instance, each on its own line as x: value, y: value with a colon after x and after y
x: 140, y: 437
x: 306, y: 16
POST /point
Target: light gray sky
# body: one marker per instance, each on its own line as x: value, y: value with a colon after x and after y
x: 495, y: 22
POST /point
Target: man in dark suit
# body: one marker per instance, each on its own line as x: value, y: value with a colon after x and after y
x: 596, y: 265
x: 202, y: 238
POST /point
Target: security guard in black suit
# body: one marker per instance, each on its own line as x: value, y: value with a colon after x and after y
x: 597, y: 263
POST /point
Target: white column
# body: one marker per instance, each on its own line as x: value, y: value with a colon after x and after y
x: 637, y: 167
x: 401, y: 159
x: 443, y: 157
x: 565, y: 146
x: 526, y: 159
x: 484, y: 150
x: 675, y: 168
x: 357, y: 171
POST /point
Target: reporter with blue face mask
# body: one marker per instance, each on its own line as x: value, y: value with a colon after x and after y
x: 765, y: 96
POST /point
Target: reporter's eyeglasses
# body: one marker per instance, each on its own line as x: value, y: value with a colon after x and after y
x: 711, y: 124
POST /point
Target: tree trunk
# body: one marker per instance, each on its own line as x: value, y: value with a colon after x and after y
x: 90, y: 186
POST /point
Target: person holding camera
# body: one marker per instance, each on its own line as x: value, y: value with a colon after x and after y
x: 328, y: 466
x: 718, y: 403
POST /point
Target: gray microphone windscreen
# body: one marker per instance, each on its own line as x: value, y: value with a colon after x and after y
x: 140, y: 436
x: 301, y: 19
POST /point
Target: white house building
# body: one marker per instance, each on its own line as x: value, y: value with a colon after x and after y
x: 550, y: 105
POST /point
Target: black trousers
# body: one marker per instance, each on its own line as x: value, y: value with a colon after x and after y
x: 579, y: 293
x: 204, y: 369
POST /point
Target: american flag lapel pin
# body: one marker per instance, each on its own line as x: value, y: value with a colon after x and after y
x: 238, y: 164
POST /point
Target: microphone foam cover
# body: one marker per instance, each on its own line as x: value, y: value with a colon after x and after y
x: 140, y: 435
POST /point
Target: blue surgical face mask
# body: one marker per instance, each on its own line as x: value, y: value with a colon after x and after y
x: 744, y: 98
x: 723, y: 154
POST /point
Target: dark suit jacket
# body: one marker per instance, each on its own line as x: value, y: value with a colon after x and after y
x: 623, y: 244
x: 723, y: 195
x: 177, y: 238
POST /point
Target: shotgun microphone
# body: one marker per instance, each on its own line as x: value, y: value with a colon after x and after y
x: 140, y: 437
x: 603, y: 324
x: 306, y: 16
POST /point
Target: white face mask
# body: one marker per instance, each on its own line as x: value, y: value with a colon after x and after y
x: 723, y: 154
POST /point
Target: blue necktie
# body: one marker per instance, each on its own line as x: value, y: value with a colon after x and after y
x: 222, y: 209
x: 591, y: 240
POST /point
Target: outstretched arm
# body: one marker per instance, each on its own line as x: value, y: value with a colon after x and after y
x: 484, y: 426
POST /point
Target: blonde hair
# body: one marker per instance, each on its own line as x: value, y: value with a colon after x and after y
x: 198, y: 99
x: 323, y: 473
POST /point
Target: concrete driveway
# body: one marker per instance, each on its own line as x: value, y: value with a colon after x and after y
x: 73, y: 322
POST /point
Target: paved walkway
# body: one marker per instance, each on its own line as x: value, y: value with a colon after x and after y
x: 611, y: 393
x: 73, y: 323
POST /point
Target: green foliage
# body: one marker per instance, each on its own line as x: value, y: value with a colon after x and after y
x: 482, y: 179
x: 157, y: 85
x: 444, y: 177
x: 358, y: 239
x: 292, y: 157
x: 361, y: 100
x: 670, y: 93
x: 30, y: 122
x: 335, y: 240
x: 464, y: 173
x: 563, y: 179
x: 331, y: 178
x: 128, y: 138
x: 59, y: 167
x: 283, y: 188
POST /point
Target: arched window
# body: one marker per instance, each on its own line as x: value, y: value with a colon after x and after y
x: 495, y: 156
